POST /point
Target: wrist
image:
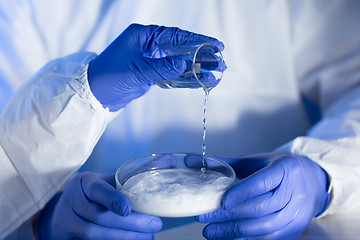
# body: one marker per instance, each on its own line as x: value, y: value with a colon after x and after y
x: 92, y: 76
x: 113, y: 92
x: 42, y: 229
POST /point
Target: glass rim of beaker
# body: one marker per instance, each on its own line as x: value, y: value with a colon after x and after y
x: 194, y: 58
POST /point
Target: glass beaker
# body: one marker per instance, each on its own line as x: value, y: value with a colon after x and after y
x: 204, y: 66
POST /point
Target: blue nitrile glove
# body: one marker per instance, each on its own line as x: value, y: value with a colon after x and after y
x: 125, y: 69
x: 278, y: 197
x: 91, y: 208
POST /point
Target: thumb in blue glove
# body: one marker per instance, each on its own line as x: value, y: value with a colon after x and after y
x: 91, y: 208
x: 125, y: 69
x: 276, y: 201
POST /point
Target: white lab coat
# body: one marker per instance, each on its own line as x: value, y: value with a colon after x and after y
x: 278, y: 53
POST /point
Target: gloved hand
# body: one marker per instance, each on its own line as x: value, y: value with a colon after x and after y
x: 125, y: 69
x: 91, y: 208
x: 280, y: 195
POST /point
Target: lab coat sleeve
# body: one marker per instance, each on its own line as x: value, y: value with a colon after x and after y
x: 47, y: 132
x: 327, y: 65
x: 334, y: 143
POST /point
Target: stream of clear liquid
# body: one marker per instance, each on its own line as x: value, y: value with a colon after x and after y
x: 203, y: 169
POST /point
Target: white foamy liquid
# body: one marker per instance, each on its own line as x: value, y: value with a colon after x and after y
x: 175, y: 192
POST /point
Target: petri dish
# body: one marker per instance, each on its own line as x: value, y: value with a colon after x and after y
x: 173, y: 185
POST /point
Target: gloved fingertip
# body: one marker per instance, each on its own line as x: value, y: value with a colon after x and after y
x: 122, y: 207
x: 156, y: 224
x: 207, y: 232
x: 169, y: 67
x: 224, y: 66
x: 221, y: 46
x: 178, y: 64
x: 200, y: 218
x: 226, y: 203
x: 126, y: 210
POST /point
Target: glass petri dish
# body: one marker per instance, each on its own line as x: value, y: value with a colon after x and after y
x: 173, y: 185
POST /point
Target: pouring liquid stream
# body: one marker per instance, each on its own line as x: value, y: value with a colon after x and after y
x: 203, y: 169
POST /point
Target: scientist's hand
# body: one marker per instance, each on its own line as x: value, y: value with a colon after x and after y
x: 91, y: 208
x: 278, y: 197
x: 125, y: 69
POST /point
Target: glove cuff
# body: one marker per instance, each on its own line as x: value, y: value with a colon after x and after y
x: 328, y: 197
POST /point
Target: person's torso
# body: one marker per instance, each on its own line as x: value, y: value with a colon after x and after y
x: 256, y: 107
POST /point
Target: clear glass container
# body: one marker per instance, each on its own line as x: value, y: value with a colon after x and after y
x: 173, y: 185
x: 205, y: 66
